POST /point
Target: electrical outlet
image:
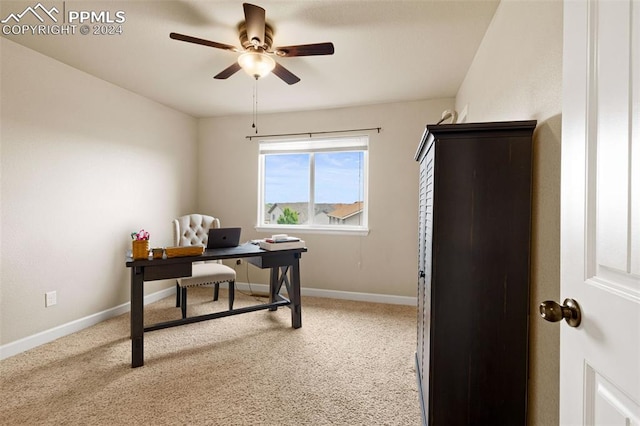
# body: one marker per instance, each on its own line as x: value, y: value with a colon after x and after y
x: 238, y: 261
x: 50, y: 299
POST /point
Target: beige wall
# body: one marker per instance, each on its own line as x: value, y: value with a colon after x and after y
x: 84, y: 163
x: 383, y: 262
x: 517, y: 75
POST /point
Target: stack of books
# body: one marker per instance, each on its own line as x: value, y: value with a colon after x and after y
x: 281, y: 242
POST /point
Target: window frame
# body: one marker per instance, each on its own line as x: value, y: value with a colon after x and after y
x: 359, y: 143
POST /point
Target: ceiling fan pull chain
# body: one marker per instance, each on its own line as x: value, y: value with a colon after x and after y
x: 255, y: 106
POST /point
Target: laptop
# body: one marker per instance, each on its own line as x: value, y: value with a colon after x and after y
x: 223, y: 237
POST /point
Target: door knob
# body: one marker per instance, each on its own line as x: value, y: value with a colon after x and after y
x: 569, y: 310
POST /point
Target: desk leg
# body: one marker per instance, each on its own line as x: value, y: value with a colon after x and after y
x: 273, y: 286
x: 296, y: 303
x: 137, y: 317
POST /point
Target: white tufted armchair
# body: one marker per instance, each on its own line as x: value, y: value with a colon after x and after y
x: 190, y: 230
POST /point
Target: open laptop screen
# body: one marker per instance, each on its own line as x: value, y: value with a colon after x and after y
x: 223, y: 237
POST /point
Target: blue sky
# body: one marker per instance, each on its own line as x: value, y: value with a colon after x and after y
x: 338, y: 177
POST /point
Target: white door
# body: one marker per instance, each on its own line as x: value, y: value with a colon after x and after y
x: 600, y: 204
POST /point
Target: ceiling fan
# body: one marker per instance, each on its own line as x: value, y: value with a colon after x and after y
x: 256, y: 38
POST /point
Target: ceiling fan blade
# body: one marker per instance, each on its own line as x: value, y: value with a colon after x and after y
x: 228, y: 72
x: 305, y: 50
x: 203, y: 42
x: 254, y: 17
x: 286, y: 75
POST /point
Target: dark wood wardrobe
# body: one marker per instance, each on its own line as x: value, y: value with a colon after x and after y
x: 473, y: 272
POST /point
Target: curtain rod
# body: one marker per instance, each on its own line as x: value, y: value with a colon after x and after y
x: 312, y: 133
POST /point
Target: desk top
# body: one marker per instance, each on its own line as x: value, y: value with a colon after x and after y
x: 243, y: 250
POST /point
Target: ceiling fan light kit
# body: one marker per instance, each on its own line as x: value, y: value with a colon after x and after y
x: 256, y: 64
x: 256, y: 37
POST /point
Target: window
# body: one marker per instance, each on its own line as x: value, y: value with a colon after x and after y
x: 315, y: 184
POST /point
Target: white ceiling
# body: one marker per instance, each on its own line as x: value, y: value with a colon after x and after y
x: 385, y: 51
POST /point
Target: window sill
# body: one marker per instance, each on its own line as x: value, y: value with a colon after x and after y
x: 326, y: 230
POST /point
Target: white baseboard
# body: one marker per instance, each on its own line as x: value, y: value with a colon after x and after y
x: 30, y: 342
x: 335, y: 294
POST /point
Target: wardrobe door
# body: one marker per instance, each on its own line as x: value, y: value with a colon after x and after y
x: 425, y: 273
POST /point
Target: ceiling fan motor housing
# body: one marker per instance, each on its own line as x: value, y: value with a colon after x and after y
x: 247, y: 44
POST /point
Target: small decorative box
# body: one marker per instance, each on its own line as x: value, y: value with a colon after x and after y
x: 184, y: 251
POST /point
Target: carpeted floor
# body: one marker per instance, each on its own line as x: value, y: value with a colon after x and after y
x: 351, y: 363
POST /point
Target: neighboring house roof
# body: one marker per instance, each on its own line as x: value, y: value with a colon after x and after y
x: 344, y: 211
x: 273, y: 207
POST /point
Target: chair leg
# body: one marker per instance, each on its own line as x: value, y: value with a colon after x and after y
x: 177, y: 295
x: 232, y: 293
x: 183, y: 303
x: 216, y: 291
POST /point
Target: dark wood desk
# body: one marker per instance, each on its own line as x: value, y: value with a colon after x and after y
x: 285, y: 269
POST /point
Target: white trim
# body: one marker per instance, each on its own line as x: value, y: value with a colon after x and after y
x: 305, y: 146
x: 335, y: 294
x: 30, y: 342
x: 338, y: 143
x: 361, y: 297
